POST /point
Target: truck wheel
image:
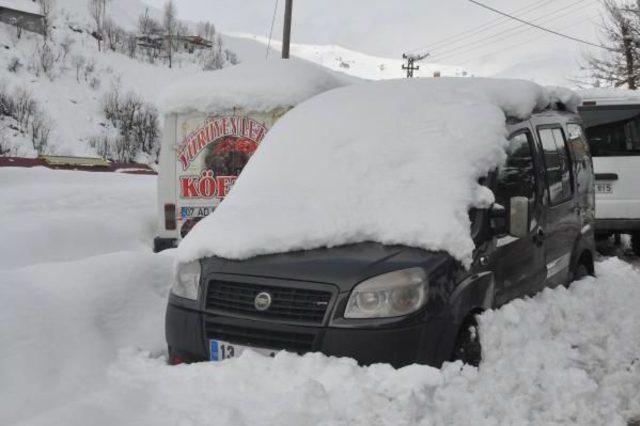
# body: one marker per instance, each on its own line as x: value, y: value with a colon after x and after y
x: 467, y: 348
x: 635, y: 243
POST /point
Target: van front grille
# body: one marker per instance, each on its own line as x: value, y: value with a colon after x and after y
x: 288, y: 304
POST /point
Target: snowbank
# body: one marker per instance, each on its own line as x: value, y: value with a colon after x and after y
x: 54, y: 215
x: 77, y: 281
x: 254, y: 86
x: 83, y: 343
x: 563, y: 357
x: 395, y: 162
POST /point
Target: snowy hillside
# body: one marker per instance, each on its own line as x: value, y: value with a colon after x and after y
x: 82, y: 326
x: 70, y: 93
x: 355, y: 63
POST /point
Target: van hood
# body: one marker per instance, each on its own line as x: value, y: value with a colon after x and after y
x: 343, y: 266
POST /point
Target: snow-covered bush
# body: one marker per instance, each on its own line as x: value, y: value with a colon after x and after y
x: 29, y: 118
x: 94, y: 83
x: 136, y: 125
x: 14, y: 65
x: 232, y: 58
x: 44, y: 59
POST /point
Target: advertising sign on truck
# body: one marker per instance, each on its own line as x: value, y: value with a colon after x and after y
x: 211, y: 154
x: 213, y: 123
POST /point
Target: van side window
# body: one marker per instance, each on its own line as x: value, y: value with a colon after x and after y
x: 517, y: 177
x: 613, y: 131
x: 557, y: 164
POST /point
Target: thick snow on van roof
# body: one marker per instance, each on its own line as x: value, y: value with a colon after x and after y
x: 396, y: 162
x: 253, y: 86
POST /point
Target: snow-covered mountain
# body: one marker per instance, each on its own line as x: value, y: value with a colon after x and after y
x: 355, y: 63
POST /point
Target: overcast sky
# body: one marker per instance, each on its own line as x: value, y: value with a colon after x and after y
x: 391, y: 27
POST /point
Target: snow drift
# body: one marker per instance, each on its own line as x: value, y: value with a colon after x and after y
x: 253, y: 86
x: 395, y: 162
x: 83, y: 341
x: 563, y: 357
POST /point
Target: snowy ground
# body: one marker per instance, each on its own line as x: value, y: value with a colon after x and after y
x: 81, y: 320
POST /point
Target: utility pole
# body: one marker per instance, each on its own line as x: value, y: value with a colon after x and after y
x: 410, y: 67
x: 286, y: 33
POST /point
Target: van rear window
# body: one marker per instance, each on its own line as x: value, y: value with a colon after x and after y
x: 613, y: 131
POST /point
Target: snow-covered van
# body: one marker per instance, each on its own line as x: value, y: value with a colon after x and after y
x: 213, y: 123
x: 410, y: 207
x: 612, y: 124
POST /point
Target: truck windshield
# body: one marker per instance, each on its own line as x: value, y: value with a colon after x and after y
x: 613, y: 131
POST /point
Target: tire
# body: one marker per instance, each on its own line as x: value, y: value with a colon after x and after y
x: 467, y: 347
x: 635, y: 243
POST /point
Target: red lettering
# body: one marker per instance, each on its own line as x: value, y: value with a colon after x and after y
x: 188, y: 187
x: 234, y: 125
x: 225, y: 183
x: 207, y: 184
x: 184, y: 160
x: 260, y: 134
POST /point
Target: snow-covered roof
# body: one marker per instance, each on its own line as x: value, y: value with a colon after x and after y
x: 28, y: 6
x: 396, y: 162
x: 254, y: 86
x: 610, y: 96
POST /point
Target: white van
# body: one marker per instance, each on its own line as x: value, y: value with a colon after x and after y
x: 213, y: 123
x: 612, y: 123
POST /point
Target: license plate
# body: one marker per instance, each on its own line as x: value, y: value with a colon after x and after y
x: 220, y: 350
x: 604, y: 188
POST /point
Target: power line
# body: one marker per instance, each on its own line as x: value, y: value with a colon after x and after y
x: 273, y: 21
x: 503, y: 35
x: 538, y: 26
x: 511, y: 46
x: 481, y: 28
x: 517, y: 26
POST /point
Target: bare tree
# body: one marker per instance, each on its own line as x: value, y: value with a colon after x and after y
x: 147, y: 25
x: 206, y: 30
x: 66, y: 44
x: 78, y: 62
x: 114, y: 34
x: 170, y: 25
x: 620, y: 65
x: 19, y: 24
x: 46, y: 10
x: 98, y: 12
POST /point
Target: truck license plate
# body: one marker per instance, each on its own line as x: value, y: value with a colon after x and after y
x: 604, y: 188
x: 220, y: 350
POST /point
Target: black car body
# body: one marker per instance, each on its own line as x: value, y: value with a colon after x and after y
x: 548, y: 171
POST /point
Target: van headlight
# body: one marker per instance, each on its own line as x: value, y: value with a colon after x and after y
x: 392, y: 294
x: 186, y: 282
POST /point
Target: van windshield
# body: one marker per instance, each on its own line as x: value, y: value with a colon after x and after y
x: 613, y: 131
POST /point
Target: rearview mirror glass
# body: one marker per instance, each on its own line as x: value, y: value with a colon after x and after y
x: 519, y: 217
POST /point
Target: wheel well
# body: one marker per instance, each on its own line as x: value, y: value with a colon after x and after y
x: 471, y: 316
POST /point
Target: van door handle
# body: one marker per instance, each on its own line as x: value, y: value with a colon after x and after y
x: 606, y: 176
x: 538, y: 238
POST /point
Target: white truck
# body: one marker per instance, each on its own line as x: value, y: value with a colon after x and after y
x: 213, y: 123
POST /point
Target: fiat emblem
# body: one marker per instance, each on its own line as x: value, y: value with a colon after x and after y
x: 262, y: 302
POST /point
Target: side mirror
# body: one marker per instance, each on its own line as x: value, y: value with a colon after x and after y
x: 519, y: 217
x: 498, y: 219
